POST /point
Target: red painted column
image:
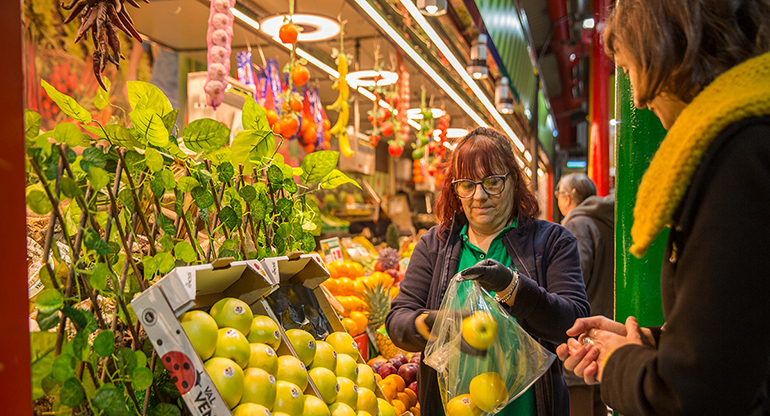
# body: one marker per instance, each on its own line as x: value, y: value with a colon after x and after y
x: 16, y: 394
x: 601, y: 68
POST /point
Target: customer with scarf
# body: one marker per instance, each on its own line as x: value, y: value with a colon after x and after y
x: 703, y: 67
x: 489, y: 231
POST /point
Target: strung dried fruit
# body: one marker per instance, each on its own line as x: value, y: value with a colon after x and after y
x: 288, y: 33
x: 300, y: 75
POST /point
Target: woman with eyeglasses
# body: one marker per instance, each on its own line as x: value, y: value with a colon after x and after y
x: 488, y: 229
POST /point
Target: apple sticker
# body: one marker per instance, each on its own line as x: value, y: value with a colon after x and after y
x: 271, y: 378
x: 239, y: 310
x: 228, y: 372
x: 294, y: 392
x: 269, y: 351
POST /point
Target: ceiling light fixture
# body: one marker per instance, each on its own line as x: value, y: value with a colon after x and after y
x: 366, y: 78
x: 246, y: 19
x: 416, y: 113
x: 477, y: 67
x: 444, y: 49
x: 432, y: 7
x: 452, y: 133
x: 314, y: 27
x: 503, y: 98
x: 589, y: 23
x: 419, y: 60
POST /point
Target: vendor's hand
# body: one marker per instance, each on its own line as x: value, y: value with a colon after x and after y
x: 424, y: 323
x: 598, y: 338
x: 491, y: 275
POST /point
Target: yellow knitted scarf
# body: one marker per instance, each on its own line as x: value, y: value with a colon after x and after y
x: 739, y: 93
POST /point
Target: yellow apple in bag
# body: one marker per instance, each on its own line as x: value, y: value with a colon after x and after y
x: 480, y: 330
x: 488, y: 391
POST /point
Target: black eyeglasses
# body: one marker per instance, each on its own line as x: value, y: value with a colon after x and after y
x: 492, y: 185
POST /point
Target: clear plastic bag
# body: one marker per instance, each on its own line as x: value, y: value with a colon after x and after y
x: 476, y: 364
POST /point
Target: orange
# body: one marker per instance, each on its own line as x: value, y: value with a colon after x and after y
x: 358, y: 269
x: 415, y: 410
x: 351, y: 326
x: 289, y: 126
x: 393, y: 292
x: 360, y: 319
x: 378, y: 378
x: 358, y: 286
x: 345, y: 302
x: 288, y: 33
x: 412, y: 396
x: 386, y: 280
x: 404, y: 399
x: 332, y: 272
x: 398, y: 381
x: 345, y: 286
x: 272, y: 117
x: 340, y: 267
x: 299, y: 76
x: 387, y: 390
x: 332, y: 285
x: 399, y: 406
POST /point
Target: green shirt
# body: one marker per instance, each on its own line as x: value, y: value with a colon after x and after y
x: 524, y: 405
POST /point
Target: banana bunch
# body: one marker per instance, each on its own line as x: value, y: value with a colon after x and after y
x: 341, y: 105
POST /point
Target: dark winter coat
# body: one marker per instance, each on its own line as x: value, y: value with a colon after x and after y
x: 547, y: 303
x: 713, y: 355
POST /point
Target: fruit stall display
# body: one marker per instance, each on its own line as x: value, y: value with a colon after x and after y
x: 255, y: 373
x: 127, y: 208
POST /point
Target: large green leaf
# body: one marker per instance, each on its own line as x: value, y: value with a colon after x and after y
x: 72, y: 393
x: 99, y: 276
x: 67, y: 104
x: 67, y: 133
x: 165, y: 262
x: 143, y: 95
x: 166, y: 409
x: 31, y: 124
x: 336, y: 178
x: 242, y: 145
x: 63, y: 366
x: 248, y: 193
x: 254, y: 117
x: 102, y: 98
x: 98, y: 178
x: 110, y: 400
x: 184, y: 251
x: 119, y: 135
x: 37, y: 200
x: 94, y: 242
x: 316, y: 165
x: 228, y: 217
x: 203, y: 198
x: 49, y: 301
x: 151, y: 127
x: 153, y: 159
x: 169, y: 119
x: 42, y: 345
x: 265, y: 147
x: 141, y: 378
x: 93, y: 156
x: 187, y: 184
x: 205, y: 134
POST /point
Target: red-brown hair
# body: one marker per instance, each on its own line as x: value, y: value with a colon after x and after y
x: 481, y: 153
x: 681, y: 46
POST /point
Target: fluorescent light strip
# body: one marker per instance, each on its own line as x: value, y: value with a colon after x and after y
x: 413, y: 123
x: 420, y: 61
x: 246, y: 19
x: 527, y: 156
x: 436, y: 39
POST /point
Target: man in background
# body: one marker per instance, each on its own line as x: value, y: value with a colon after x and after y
x: 592, y: 220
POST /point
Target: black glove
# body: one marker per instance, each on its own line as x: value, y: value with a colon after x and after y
x: 491, y: 275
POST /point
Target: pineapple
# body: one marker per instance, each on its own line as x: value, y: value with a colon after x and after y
x: 377, y: 306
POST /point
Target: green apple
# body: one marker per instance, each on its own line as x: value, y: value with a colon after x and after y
x: 233, y: 345
x: 348, y: 393
x: 303, y: 343
x: 346, y: 367
x: 480, y: 330
x: 367, y: 401
x: 326, y: 381
x: 228, y: 379
x: 325, y: 356
x: 264, y: 357
x: 386, y: 409
x: 366, y: 377
x: 291, y: 369
x: 341, y: 409
x: 201, y: 328
x: 264, y: 330
x: 288, y: 398
x: 488, y: 391
x: 232, y: 313
x: 343, y: 343
x: 462, y: 405
x: 315, y: 407
x: 251, y: 409
x: 258, y: 387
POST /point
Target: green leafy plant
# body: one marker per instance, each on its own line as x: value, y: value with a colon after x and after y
x: 138, y: 198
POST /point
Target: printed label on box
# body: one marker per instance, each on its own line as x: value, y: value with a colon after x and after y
x: 331, y: 249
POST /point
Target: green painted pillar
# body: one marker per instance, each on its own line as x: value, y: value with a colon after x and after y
x: 637, y: 281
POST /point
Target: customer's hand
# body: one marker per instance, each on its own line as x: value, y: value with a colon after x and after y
x: 491, y: 275
x: 424, y: 323
x: 598, y: 338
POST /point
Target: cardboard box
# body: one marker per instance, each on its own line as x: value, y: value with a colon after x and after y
x: 185, y: 288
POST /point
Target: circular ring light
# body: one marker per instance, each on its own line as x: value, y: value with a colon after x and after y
x: 455, y: 133
x: 366, y: 78
x: 416, y: 113
x: 314, y: 27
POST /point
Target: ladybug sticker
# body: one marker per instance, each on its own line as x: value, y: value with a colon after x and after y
x: 181, y: 370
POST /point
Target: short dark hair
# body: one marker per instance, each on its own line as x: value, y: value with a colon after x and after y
x: 578, y: 185
x: 477, y: 155
x: 681, y: 46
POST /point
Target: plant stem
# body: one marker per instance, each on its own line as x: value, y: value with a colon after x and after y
x: 137, y: 206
